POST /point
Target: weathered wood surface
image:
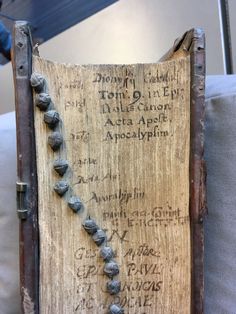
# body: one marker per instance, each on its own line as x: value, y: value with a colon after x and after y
x: 26, y: 168
x: 127, y: 140
x: 192, y: 43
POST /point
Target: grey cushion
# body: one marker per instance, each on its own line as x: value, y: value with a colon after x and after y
x: 220, y: 225
x: 9, y: 241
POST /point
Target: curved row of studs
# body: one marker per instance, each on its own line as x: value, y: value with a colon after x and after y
x: 55, y: 140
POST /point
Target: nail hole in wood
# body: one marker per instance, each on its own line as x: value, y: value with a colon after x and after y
x: 19, y: 44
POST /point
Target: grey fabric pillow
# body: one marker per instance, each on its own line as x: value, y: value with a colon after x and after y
x: 220, y: 225
x: 9, y: 240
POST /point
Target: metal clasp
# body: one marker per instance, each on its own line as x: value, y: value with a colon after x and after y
x: 21, y: 188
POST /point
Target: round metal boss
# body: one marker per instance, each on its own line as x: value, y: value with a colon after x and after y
x: 37, y: 81
x: 111, y: 269
x: 90, y: 226
x: 61, y: 187
x: 55, y: 140
x: 106, y: 253
x: 99, y: 237
x: 75, y: 203
x: 116, y: 309
x: 51, y: 118
x: 42, y: 101
x: 60, y: 166
x: 113, y: 286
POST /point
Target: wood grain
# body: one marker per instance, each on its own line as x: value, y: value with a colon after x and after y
x: 126, y: 131
x: 26, y: 168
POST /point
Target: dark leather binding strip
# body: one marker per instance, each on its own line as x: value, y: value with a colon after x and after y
x: 27, y: 170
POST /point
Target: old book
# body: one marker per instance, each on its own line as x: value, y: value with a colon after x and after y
x: 123, y: 146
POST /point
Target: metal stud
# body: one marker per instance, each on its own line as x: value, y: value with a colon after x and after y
x: 42, y: 101
x: 55, y: 140
x: 106, y: 253
x: 37, y: 82
x: 60, y: 166
x: 90, y: 226
x: 111, y: 269
x: 61, y: 187
x: 75, y: 203
x: 113, y: 286
x: 116, y: 309
x: 99, y: 237
x: 51, y: 118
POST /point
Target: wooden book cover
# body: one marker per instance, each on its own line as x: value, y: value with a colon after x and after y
x: 111, y: 173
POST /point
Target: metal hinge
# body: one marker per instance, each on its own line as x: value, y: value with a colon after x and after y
x: 21, y: 188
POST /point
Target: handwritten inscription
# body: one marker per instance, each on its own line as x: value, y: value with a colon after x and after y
x: 133, y: 269
x: 131, y: 253
x: 74, y: 84
x: 79, y: 105
x: 150, y: 78
x: 162, y: 92
x: 127, y: 114
x: 130, y: 302
x: 142, y: 250
x: 96, y: 178
x: 148, y: 285
x: 143, y: 269
x: 122, y: 196
x: 118, y: 80
x: 141, y: 121
x: 121, y: 235
x: 80, y: 136
x: 83, y: 253
x: 125, y: 130
x: 150, y: 218
x: 140, y: 107
x: 85, y: 162
x: 130, y: 110
x: 138, y: 134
